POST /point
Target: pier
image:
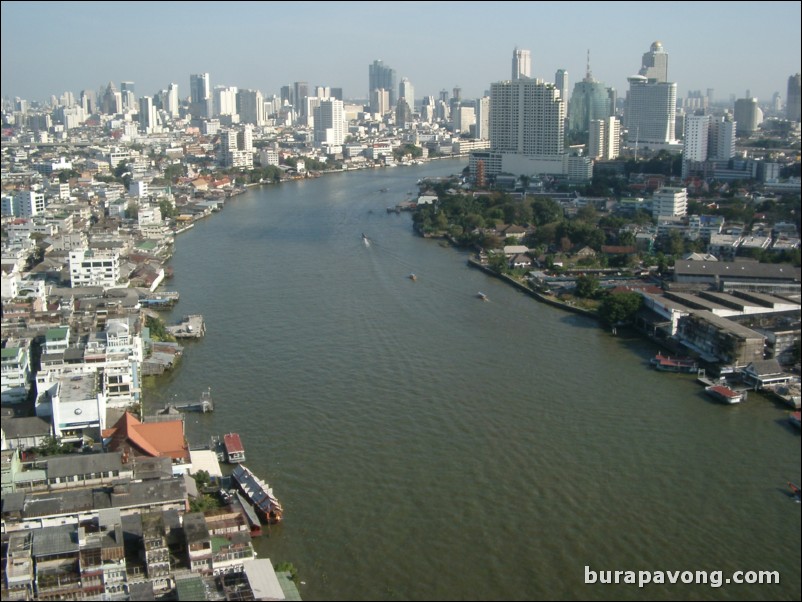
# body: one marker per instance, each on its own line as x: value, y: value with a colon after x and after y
x: 203, y: 405
x: 191, y: 327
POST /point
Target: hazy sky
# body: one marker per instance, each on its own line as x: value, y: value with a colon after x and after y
x: 50, y: 47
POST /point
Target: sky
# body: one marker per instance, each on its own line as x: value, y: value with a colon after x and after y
x: 52, y: 47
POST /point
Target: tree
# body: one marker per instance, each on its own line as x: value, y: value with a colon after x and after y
x: 620, y: 308
x: 587, y: 286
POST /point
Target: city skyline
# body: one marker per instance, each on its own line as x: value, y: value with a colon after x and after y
x: 50, y: 48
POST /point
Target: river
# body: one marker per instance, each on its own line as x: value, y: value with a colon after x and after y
x: 427, y: 445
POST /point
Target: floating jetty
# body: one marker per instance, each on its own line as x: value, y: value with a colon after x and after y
x: 204, y: 404
x: 258, y: 493
x: 191, y: 327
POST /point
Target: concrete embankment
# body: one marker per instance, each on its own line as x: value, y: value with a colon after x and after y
x: 525, y: 289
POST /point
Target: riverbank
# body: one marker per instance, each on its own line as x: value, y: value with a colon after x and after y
x: 533, y: 293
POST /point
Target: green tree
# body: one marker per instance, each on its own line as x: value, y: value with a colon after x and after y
x: 620, y: 308
x: 587, y: 286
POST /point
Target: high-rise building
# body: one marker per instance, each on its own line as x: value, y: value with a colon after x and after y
x: 111, y: 103
x: 462, y: 118
x: 651, y: 111
x: 251, y: 107
x: 286, y: 95
x: 200, y: 96
x: 329, y: 118
x: 381, y: 76
x: 147, y: 115
x: 748, y: 116
x: 604, y: 138
x: 589, y: 101
x: 722, y: 139
x: 300, y: 91
x: 337, y: 93
x: 225, y: 100
x: 172, y: 100
x: 561, y: 82
x: 527, y: 118
x: 483, y: 118
x: 655, y: 63
x: 521, y: 64
x: 792, y: 106
x: 403, y: 114
x: 407, y: 92
x: 696, y: 138
x: 379, y: 101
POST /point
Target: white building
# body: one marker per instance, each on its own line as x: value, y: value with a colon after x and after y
x: 329, y: 120
x: 15, y: 378
x: 604, y: 140
x: 748, y: 116
x: 77, y: 406
x: 696, y: 138
x: 407, y: 91
x: 24, y: 203
x: 483, y: 118
x: 651, y: 111
x: 521, y: 64
x: 90, y: 267
x: 225, y: 100
x: 670, y: 201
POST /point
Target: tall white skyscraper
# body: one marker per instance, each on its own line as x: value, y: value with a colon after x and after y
x: 521, y: 64
x: 483, y: 118
x: 329, y: 122
x: 527, y: 118
x: 651, y: 111
x: 655, y: 63
x: 172, y: 102
x: 407, y: 92
x: 696, y: 138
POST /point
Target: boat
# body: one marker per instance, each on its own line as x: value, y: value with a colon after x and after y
x: 482, y: 296
x: 258, y: 493
x: 674, y: 364
x: 413, y: 277
x: 365, y: 240
x: 795, y: 491
x: 796, y: 418
x: 724, y: 393
x: 233, y: 450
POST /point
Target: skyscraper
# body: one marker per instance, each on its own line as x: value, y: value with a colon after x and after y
x: 651, y: 110
x: 380, y: 76
x: 329, y: 118
x: 483, y: 118
x: 561, y: 82
x: 300, y: 91
x: 201, y: 104
x: 147, y: 115
x: 655, y: 63
x: 407, y: 92
x: 589, y: 101
x: 748, y: 116
x: 251, y: 107
x: 171, y: 104
x: 604, y: 138
x: 527, y: 118
x: 792, y: 107
x: 521, y: 64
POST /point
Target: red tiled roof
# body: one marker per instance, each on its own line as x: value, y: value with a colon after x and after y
x: 156, y: 439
